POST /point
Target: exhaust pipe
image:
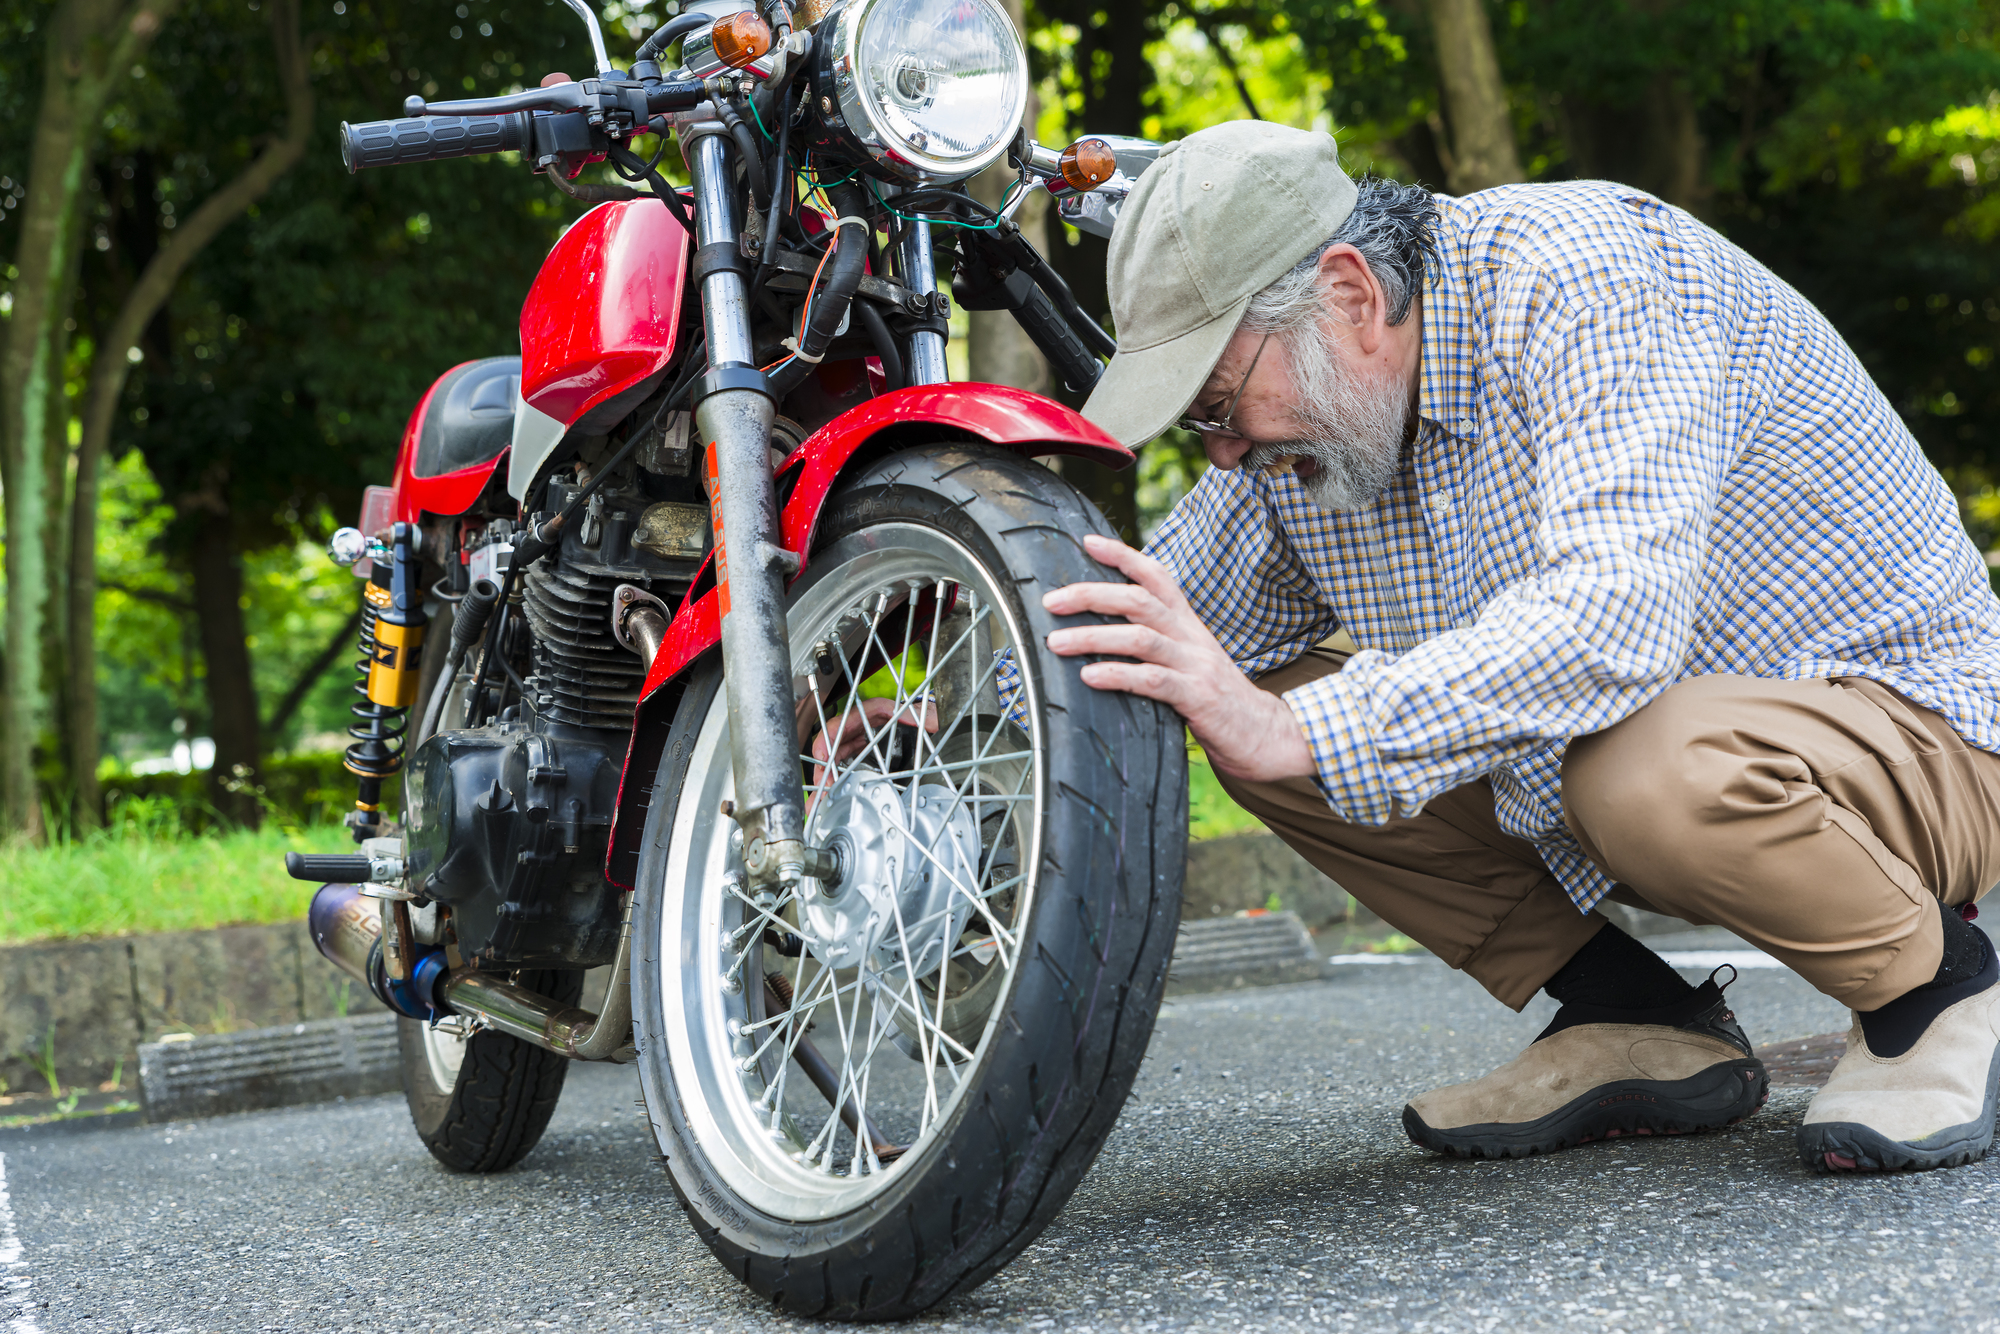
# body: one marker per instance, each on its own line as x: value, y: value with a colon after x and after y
x: 347, y: 928
x: 346, y: 925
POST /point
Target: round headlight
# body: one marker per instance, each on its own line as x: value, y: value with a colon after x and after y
x: 931, y: 90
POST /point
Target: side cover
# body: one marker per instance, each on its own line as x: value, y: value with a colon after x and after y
x: 599, y: 322
x: 1010, y: 418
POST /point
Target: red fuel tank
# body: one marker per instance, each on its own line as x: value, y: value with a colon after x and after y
x: 600, y: 317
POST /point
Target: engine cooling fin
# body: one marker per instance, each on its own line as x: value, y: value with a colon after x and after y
x: 584, y: 677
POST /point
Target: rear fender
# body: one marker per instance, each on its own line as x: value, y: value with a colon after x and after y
x: 1007, y: 418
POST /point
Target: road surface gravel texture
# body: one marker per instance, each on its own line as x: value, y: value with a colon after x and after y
x: 1259, y: 1179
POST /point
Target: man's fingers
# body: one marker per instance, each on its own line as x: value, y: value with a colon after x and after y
x: 1135, y: 565
x: 1140, y: 678
x: 1127, y: 600
x: 1122, y: 639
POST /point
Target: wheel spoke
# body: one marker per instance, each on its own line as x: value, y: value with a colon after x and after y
x: 936, y: 824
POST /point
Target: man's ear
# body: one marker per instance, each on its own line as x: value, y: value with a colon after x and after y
x: 1352, y: 296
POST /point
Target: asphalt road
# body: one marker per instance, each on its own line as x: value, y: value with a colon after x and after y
x: 1258, y: 1179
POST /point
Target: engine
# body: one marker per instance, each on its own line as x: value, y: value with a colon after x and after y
x: 508, y: 821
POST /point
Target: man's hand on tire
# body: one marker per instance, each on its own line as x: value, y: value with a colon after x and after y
x: 1248, y: 733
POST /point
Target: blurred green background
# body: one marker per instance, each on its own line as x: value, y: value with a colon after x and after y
x: 1852, y: 145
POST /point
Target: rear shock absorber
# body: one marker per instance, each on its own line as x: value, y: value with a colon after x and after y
x: 391, y: 643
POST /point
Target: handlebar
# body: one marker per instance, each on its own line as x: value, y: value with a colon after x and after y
x: 654, y: 95
x: 390, y: 143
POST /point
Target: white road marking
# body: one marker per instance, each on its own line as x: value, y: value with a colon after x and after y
x: 13, y: 1283
x: 1717, y: 958
x: 1680, y: 959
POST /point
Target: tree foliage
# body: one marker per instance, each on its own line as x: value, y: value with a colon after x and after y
x: 1852, y: 145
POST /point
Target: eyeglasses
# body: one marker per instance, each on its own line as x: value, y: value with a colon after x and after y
x: 1225, y: 427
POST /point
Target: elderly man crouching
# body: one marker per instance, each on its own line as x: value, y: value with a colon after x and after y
x: 1656, y: 600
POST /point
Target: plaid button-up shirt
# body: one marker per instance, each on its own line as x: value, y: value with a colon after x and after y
x: 1641, y: 458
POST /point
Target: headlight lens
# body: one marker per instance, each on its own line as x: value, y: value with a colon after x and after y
x: 930, y: 89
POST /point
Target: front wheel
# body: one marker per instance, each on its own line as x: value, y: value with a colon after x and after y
x: 871, y: 1093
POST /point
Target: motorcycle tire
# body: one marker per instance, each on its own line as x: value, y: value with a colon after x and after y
x: 1028, y: 1011
x: 481, y: 1103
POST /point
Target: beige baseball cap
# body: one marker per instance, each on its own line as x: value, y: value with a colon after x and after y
x: 1216, y: 219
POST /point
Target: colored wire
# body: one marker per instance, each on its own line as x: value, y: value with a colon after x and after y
x: 935, y: 222
x: 758, y: 117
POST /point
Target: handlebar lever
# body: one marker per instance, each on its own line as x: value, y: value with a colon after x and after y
x: 556, y: 97
x: 643, y: 98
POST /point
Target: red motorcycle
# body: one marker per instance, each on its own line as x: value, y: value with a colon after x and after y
x: 732, y: 678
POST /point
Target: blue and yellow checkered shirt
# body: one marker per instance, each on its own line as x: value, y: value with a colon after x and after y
x: 1641, y: 458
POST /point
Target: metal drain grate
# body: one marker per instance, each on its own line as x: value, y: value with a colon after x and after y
x: 1221, y: 953
x: 269, y: 1067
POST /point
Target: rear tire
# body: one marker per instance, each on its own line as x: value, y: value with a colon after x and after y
x: 481, y: 1103
x: 1054, y: 1043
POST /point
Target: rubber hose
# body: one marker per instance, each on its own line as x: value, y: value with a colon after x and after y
x: 753, y: 160
x: 467, y: 625
x: 836, y: 293
x: 885, y: 343
x: 670, y: 32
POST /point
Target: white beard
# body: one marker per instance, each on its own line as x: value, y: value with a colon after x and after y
x: 1350, y: 426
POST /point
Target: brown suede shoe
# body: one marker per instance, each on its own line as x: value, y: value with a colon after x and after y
x: 1589, y: 1077
x: 1916, y: 1100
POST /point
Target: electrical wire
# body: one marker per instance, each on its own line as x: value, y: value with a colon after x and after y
x: 943, y: 221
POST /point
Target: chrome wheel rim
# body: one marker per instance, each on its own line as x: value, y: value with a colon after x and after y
x: 444, y: 1053
x: 897, y: 972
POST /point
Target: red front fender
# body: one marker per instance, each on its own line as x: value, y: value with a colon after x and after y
x: 1009, y: 418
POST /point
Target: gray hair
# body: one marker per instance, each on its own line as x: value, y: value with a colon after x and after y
x: 1391, y: 226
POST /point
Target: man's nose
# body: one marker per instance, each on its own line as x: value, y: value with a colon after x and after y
x: 1224, y: 451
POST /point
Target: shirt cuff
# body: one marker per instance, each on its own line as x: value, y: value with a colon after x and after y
x: 1346, y: 763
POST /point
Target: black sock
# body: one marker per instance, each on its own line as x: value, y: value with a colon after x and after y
x: 1965, y: 949
x: 1969, y: 967
x: 1615, y: 972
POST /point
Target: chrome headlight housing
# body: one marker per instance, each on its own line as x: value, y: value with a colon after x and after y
x: 929, y: 90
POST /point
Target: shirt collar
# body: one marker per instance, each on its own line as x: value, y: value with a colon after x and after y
x: 1448, y: 388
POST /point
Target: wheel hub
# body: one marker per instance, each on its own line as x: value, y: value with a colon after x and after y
x: 908, y: 870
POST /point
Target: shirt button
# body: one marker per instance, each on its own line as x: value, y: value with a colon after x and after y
x: 1441, y: 503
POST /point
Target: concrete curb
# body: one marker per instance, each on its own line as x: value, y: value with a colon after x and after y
x: 102, y: 999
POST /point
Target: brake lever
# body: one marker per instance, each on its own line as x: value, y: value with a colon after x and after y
x: 556, y: 97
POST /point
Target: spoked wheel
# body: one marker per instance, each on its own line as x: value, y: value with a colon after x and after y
x: 871, y: 1092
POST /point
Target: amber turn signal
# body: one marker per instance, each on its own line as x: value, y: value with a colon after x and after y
x: 741, y: 38
x: 1087, y: 164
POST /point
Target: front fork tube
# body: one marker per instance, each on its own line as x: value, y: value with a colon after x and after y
x: 751, y: 565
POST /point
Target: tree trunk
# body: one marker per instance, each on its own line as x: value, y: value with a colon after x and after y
x: 998, y: 351
x: 90, y: 46
x: 112, y: 364
x: 225, y: 652
x: 1475, y: 99
x: 1653, y: 144
x: 1111, y: 56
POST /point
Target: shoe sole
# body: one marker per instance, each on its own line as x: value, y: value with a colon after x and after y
x: 1719, y: 1096
x: 1848, y: 1146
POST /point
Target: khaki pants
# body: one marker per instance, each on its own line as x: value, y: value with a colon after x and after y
x: 1816, y: 819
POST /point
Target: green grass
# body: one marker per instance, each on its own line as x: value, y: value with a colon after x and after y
x: 140, y: 878
x: 150, y: 875
x: 1211, y: 814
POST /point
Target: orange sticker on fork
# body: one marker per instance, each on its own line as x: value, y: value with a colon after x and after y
x: 712, y: 481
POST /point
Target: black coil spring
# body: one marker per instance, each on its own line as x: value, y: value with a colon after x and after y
x: 377, y: 729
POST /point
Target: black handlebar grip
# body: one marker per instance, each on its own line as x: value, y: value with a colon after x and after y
x: 340, y: 868
x: 394, y: 143
x: 1049, y: 331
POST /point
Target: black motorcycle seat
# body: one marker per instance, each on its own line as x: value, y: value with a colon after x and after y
x: 471, y: 416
